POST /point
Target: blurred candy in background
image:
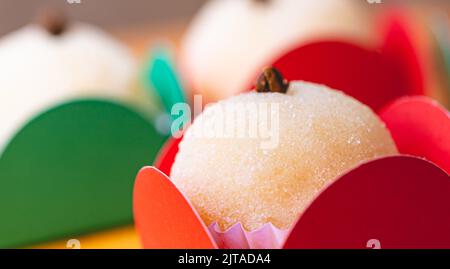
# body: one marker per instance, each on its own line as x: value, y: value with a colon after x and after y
x: 86, y: 90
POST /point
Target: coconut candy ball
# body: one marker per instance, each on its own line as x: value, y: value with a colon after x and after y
x: 251, y: 33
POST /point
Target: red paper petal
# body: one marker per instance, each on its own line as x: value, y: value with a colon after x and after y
x: 167, y: 154
x: 369, y: 76
x: 420, y: 127
x: 163, y: 217
x: 400, y: 46
x: 394, y: 202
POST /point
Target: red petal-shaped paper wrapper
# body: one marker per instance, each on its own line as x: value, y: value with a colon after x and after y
x: 163, y: 216
x: 395, y: 202
x: 369, y: 76
x: 373, y: 76
x: 420, y: 127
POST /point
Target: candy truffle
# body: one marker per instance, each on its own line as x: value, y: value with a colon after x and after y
x: 43, y: 64
x: 230, y: 40
x: 255, y: 177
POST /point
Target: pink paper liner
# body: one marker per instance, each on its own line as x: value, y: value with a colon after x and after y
x: 236, y: 237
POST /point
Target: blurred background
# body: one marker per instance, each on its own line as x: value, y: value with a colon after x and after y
x: 105, y: 13
x: 133, y: 21
x: 207, y: 45
x: 134, y: 13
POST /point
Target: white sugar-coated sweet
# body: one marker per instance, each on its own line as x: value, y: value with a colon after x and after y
x: 38, y: 70
x: 230, y: 40
x: 321, y: 134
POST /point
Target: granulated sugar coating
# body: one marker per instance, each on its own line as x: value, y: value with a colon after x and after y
x: 321, y: 134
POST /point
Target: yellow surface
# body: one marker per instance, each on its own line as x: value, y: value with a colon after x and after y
x: 125, y: 237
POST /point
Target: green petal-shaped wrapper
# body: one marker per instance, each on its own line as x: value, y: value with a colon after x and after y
x: 71, y: 170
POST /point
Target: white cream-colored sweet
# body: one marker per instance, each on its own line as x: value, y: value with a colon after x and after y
x: 322, y: 133
x: 38, y: 70
x: 230, y: 40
